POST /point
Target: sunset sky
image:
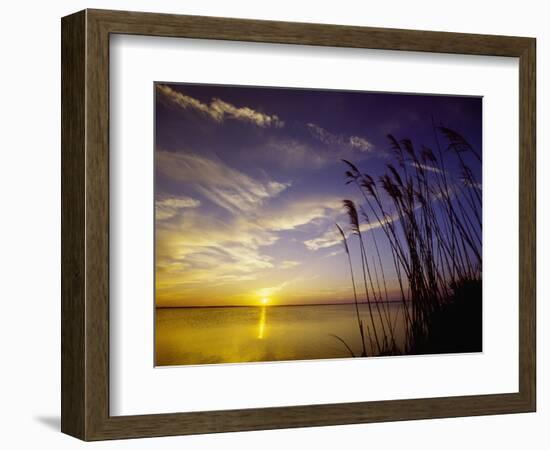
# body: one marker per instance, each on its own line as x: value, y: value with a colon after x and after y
x: 249, y: 186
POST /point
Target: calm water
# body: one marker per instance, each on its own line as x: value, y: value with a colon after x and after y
x: 268, y: 333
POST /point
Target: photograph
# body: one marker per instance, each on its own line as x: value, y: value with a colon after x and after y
x: 300, y: 224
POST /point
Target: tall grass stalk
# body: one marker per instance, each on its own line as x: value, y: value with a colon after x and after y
x: 359, y: 321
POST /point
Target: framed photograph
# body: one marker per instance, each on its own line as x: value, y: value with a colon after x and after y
x: 270, y: 225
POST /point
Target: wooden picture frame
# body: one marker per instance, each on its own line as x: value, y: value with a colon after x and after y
x: 85, y: 224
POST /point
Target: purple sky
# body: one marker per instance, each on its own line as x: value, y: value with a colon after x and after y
x: 249, y: 184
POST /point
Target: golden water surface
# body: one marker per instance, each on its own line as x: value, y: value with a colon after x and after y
x: 261, y: 333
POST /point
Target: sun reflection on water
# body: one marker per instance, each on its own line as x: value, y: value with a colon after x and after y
x: 261, y: 324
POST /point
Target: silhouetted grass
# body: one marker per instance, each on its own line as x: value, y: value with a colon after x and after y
x: 432, y: 225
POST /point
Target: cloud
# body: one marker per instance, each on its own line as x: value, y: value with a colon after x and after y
x: 269, y: 291
x: 289, y: 264
x: 338, y: 140
x: 223, y: 233
x: 169, y: 207
x: 218, y: 110
x: 473, y: 185
x: 198, y: 245
x: 291, y: 154
x: 324, y: 136
x: 426, y: 167
x: 329, y: 238
x: 332, y: 236
x: 360, y: 143
x: 226, y: 187
x: 299, y: 212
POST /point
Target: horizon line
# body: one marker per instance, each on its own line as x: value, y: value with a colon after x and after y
x: 275, y: 305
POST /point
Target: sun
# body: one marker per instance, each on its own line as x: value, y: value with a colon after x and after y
x: 264, y: 301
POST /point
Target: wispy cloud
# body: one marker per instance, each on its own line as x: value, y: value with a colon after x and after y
x: 219, y: 110
x: 222, y: 185
x: 197, y: 245
x: 169, y: 207
x: 289, y: 264
x: 291, y: 154
x: 360, y: 143
x: 326, y: 137
x: 426, y: 167
x: 332, y: 237
x: 269, y: 291
x: 298, y: 213
x: 329, y: 238
x: 474, y: 185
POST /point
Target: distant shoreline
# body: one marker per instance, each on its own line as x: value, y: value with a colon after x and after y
x: 272, y: 306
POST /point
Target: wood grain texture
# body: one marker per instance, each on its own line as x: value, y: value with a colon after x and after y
x: 527, y: 223
x: 73, y: 227
x: 151, y: 24
x: 85, y: 224
x: 97, y: 225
